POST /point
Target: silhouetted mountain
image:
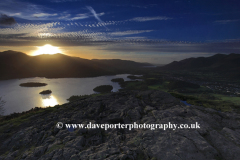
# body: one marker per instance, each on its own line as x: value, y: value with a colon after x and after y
x: 19, y: 65
x: 219, y: 63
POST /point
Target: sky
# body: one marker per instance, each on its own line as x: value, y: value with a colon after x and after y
x: 154, y: 31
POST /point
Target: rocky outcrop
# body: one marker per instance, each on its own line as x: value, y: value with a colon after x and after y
x: 38, y: 137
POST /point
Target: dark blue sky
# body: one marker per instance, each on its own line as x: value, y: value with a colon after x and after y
x: 143, y: 30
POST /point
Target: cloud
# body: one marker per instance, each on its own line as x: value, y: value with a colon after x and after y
x: 20, y: 9
x: 27, y: 10
x: 131, y: 32
x: 95, y: 14
x: 80, y: 16
x: 44, y: 15
x: 62, y: 1
x: 65, y: 16
x: 174, y: 47
x: 15, y: 14
x: 31, y: 11
x: 5, y: 20
x: 226, y: 21
x: 118, y: 41
x: 31, y: 29
x: 137, y: 6
x: 143, y: 19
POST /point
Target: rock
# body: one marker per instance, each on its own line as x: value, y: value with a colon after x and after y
x: 232, y: 135
x: 227, y: 149
x: 81, y: 131
x: 38, y: 138
x: 68, y: 152
x: 12, y: 156
x: 58, y: 155
x: 77, y: 143
x: 39, y: 151
x: 148, y: 109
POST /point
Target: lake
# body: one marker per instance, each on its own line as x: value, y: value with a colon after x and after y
x: 185, y: 102
x: 20, y: 99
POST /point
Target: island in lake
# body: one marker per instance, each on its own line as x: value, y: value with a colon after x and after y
x: 46, y: 92
x: 132, y: 77
x: 32, y: 84
x: 117, y: 80
x: 103, y: 88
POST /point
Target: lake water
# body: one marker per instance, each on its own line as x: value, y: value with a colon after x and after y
x: 185, y: 102
x: 20, y: 99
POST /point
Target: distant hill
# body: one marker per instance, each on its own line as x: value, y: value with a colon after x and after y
x: 219, y: 63
x: 19, y: 65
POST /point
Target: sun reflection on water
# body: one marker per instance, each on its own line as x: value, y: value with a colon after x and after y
x: 49, y: 100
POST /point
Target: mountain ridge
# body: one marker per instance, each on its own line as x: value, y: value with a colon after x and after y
x: 219, y: 63
x: 19, y: 65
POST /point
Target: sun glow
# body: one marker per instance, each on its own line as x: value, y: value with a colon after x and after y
x: 47, y: 49
x: 49, y: 100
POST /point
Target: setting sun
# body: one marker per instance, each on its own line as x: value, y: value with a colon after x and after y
x: 47, y: 49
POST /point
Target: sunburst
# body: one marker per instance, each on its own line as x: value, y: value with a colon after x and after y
x: 47, y: 49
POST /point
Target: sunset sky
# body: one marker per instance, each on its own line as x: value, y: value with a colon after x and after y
x: 156, y: 31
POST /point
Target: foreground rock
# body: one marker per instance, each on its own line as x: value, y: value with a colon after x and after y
x: 38, y: 138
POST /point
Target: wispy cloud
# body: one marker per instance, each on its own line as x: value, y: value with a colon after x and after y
x: 44, y: 15
x: 131, y: 32
x: 174, y: 47
x: 95, y: 14
x: 31, y: 29
x: 144, y: 6
x: 20, y: 9
x: 116, y: 41
x: 69, y: 17
x: 143, y: 19
x: 30, y: 11
x: 227, y: 21
x: 62, y: 1
x: 15, y: 14
x: 137, y: 6
x: 80, y: 16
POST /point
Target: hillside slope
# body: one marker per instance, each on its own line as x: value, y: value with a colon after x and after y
x: 220, y: 63
x: 35, y: 135
x: 19, y: 65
